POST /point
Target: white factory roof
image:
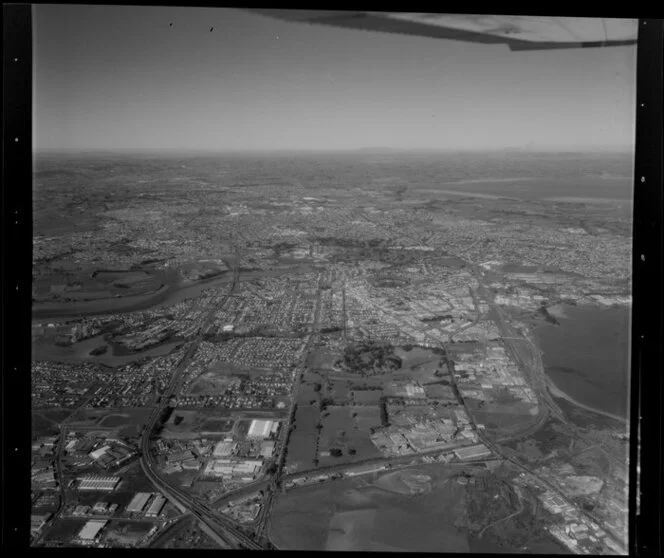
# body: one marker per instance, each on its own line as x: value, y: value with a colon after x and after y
x: 225, y: 448
x: 157, y: 505
x: 91, y: 529
x: 99, y: 452
x: 138, y: 502
x: 260, y: 428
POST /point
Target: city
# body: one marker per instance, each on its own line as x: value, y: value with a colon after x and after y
x: 255, y: 328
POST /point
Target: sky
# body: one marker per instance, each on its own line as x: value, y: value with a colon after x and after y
x: 121, y: 77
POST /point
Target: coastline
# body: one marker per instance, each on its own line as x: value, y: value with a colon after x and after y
x: 555, y: 391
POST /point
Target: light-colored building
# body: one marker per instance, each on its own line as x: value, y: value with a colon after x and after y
x: 138, y: 502
x: 99, y: 507
x: 98, y: 482
x: 226, y: 468
x: 260, y: 429
x: 157, y: 505
x: 472, y: 452
x: 99, y: 452
x: 92, y: 529
x: 224, y: 449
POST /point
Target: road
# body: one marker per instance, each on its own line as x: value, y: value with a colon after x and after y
x: 221, y: 526
x: 533, y: 369
x: 58, y: 461
x: 522, y: 349
x: 271, y: 488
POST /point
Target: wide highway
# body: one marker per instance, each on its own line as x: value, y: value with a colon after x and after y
x: 226, y: 529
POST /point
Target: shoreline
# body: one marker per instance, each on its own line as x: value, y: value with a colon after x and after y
x: 555, y: 391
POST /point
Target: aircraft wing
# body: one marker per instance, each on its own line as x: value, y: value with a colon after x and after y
x: 517, y: 32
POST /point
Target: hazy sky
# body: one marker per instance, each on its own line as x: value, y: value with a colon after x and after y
x: 121, y: 77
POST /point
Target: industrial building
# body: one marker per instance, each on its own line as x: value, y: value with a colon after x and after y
x: 260, y: 429
x: 138, y: 502
x: 92, y: 529
x: 98, y: 482
x: 224, y: 449
x: 99, y: 507
x: 472, y: 452
x: 267, y: 449
x: 157, y: 505
x: 99, y: 452
x: 81, y: 510
x: 225, y: 468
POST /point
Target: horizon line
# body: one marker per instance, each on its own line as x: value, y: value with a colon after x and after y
x: 625, y: 148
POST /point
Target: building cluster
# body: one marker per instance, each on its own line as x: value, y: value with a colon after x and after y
x: 62, y: 385
x: 575, y: 530
x: 271, y: 304
x: 101, y: 454
x: 66, y: 386
x: 236, y: 458
x: 92, y: 531
x: 97, y: 483
x: 595, y: 256
x: 483, y: 331
x: 142, y: 505
x: 145, y: 504
x: 98, y: 508
x: 416, y: 425
x: 482, y: 374
x: 431, y: 308
x: 259, y: 373
x: 268, y: 352
x: 43, y: 474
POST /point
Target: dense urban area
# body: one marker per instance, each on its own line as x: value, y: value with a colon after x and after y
x: 321, y: 352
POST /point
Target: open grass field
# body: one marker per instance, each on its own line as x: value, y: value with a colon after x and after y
x: 217, y: 425
x: 366, y: 396
x: 125, y: 417
x: 418, y: 364
x: 64, y: 530
x: 306, y: 392
x: 502, y: 419
x: 366, y: 417
x: 184, y: 428
x: 348, y: 530
x: 302, y: 441
x: 212, y: 383
x: 355, y: 514
x: 321, y: 359
x: 127, y: 533
x: 87, y: 417
x: 133, y: 480
x: 340, y: 432
x: 41, y: 426
x: 338, y: 392
x: 241, y: 429
x: 56, y: 415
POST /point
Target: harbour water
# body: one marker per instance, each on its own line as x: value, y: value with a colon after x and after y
x: 587, y: 356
